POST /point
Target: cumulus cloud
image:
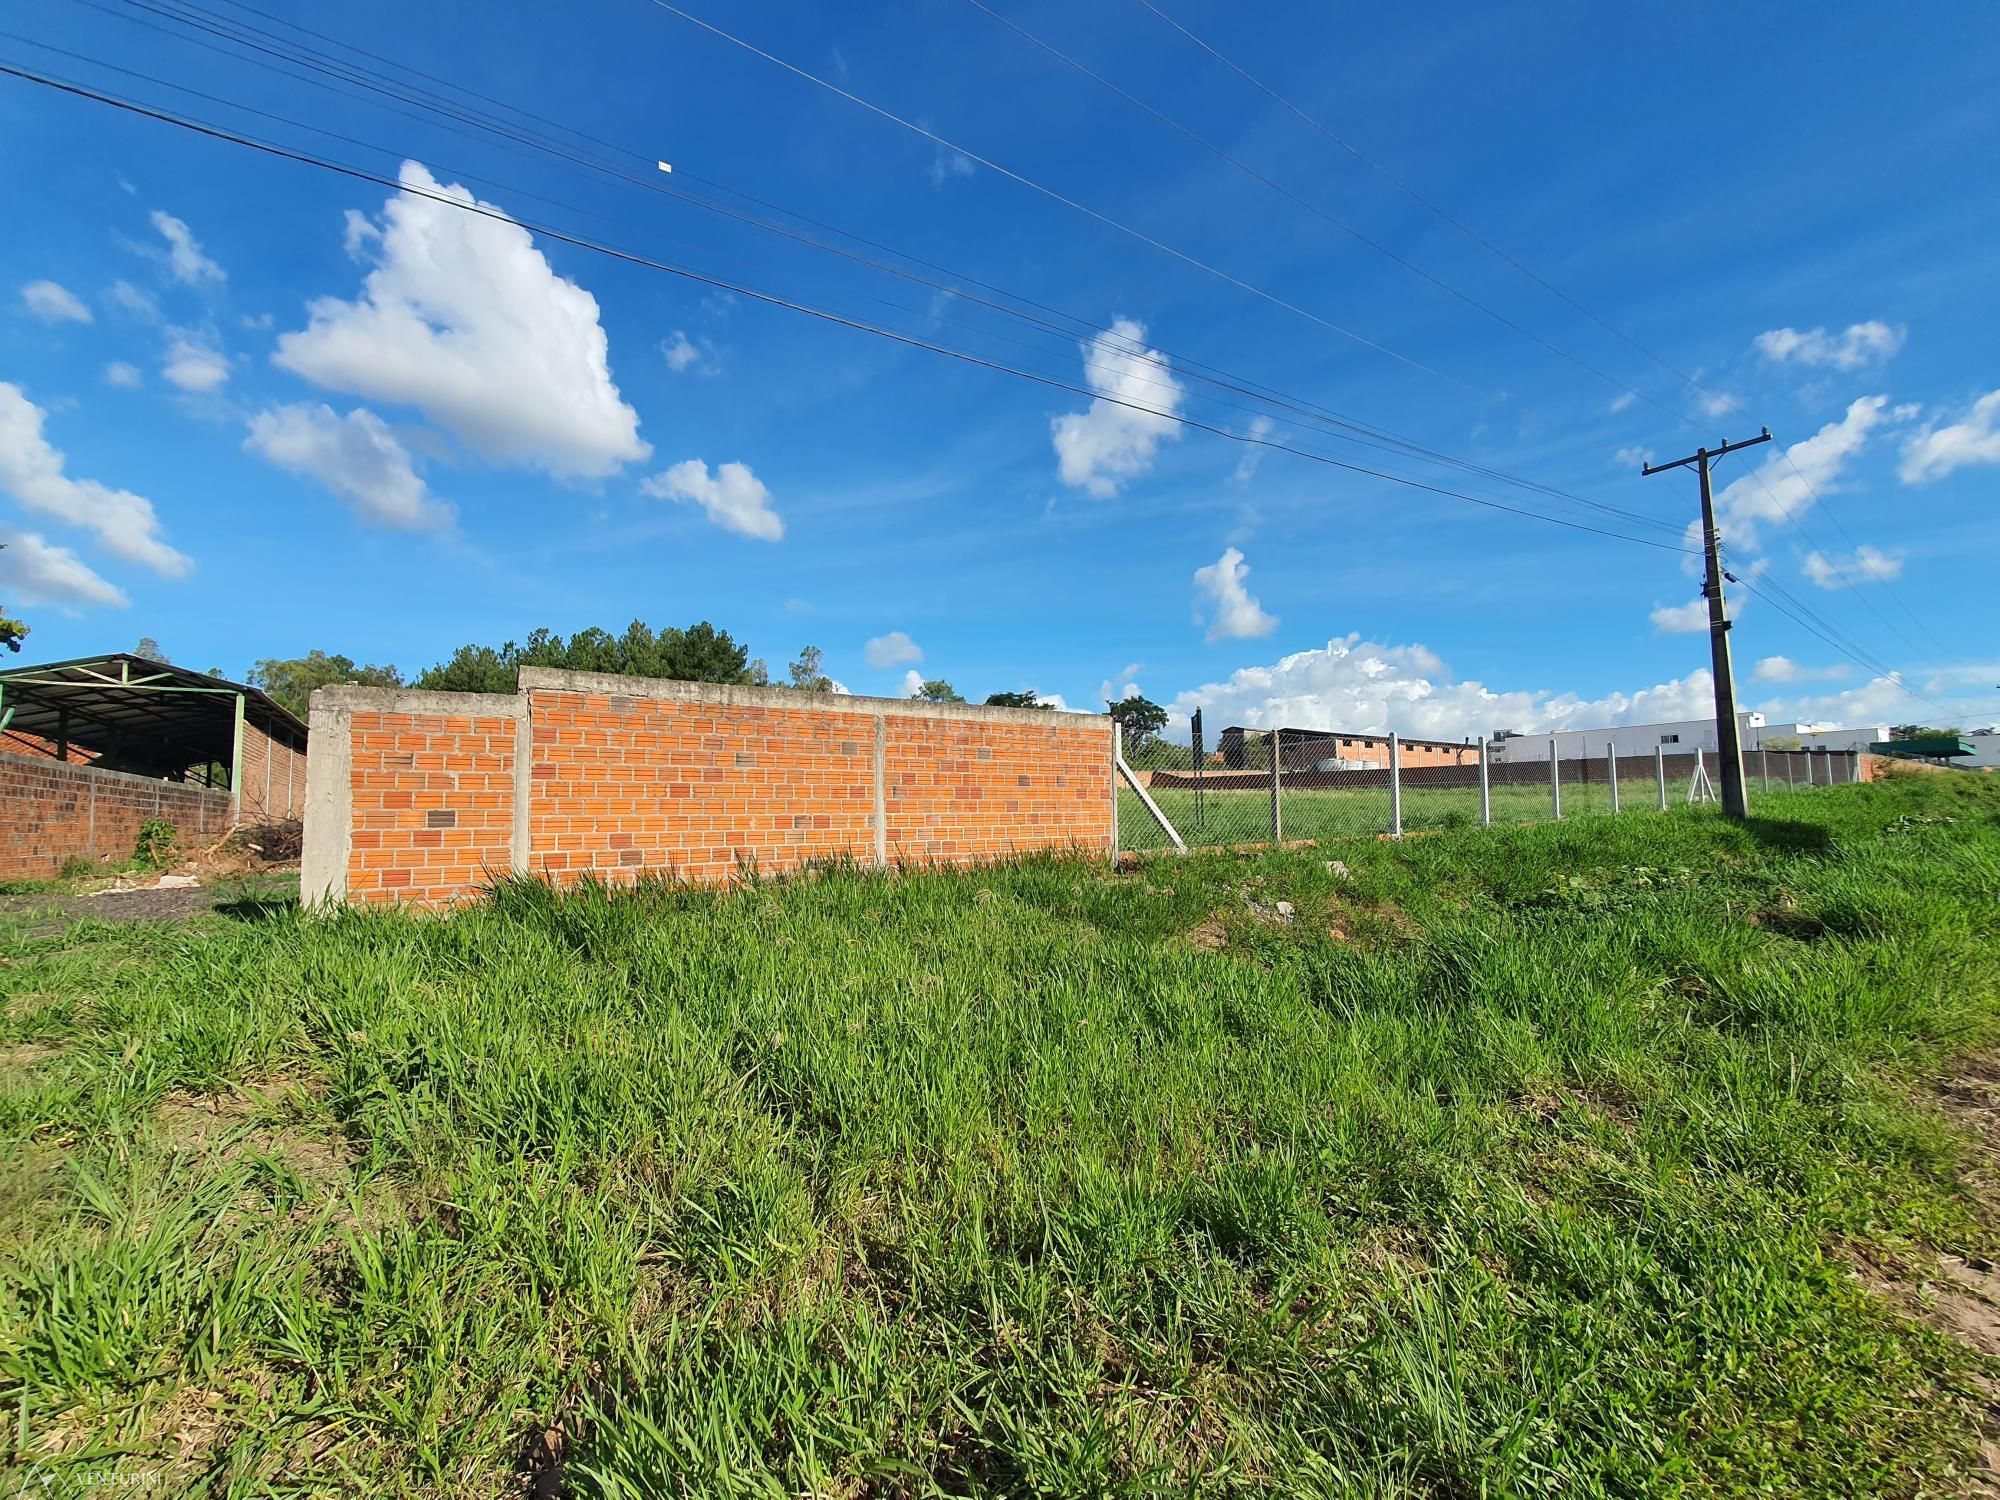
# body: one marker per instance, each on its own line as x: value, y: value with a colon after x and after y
x: 734, y: 498
x: 193, y: 364
x: 53, y: 303
x: 1784, y: 669
x: 126, y: 377
x: 184, y: 255
x: 1866, y: 565
x: 683, y: 354
x: 1100, y: 448
x: 1361, y: 685
x: 1778, y: 486
x: 134, y: 302
x: 913, y: 684
x: 1973, y: 439
x: 356, y: 457
x: 1232, y: 614
x: 1680, y: 619
x: 33, y: 572
x: 1632, y: 458
x: 1716, y: 404
x: 1862, y: 344
x: 32, y: 472
x: 463, y: 318
x: 1620, y: 403
x: 892, y: 650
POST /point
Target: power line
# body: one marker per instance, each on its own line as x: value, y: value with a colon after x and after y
x: 304, y: 158
x: 1311, y: 413
x: 1053, y: 194
x: 1724, y: 400
x: 1318, y: 212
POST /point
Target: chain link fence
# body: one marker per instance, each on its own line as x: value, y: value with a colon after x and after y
x: 1270, y: 789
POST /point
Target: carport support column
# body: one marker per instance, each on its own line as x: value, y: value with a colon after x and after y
x: 1395, y: 787
x: 1485, y: 791
x: 236, y: 768
x: 1555, y: 778
x: 1660, y: 772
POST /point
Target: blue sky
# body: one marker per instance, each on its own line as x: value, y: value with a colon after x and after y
x: 250, y: 408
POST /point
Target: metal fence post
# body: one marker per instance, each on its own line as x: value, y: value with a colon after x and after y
x: 1790, y: 784
x: 1764, y: 766
x: 1555, y: 779
x: 1117, y: 754
x: 1485, y: 792
x: 1660, y: 771
x: 1277, y: 761
x: 1395, y: 787
x: 1611, y: 759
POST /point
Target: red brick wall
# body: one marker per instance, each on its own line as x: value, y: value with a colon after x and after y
x: 629, y: 776
x: 624, y: 783
x: 273, y: 778
x: 51, y: 813
x: 432, y: 804
x: 961, y: 791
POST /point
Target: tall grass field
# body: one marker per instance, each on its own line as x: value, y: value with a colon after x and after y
x: 1593, y: 1158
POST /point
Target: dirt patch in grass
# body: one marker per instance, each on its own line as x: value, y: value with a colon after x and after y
x: 274, y: 1122
x: 1209, y: 935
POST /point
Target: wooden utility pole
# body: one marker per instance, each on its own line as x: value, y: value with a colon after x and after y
x: 1728, y: 734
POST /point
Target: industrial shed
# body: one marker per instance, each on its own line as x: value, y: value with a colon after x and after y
x: 97, y: 745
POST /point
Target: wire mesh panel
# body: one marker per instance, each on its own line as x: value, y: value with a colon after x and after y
x: 1438, y: 793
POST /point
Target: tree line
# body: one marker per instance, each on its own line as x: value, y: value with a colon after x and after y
x: 697, y: 653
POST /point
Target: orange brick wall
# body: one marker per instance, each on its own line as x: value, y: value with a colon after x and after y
x: 273, y: 778
x: 51, y: 812
x: 623, y: 783
x: 960, y: 792
x: 412, y: 802
x: 432, y: 805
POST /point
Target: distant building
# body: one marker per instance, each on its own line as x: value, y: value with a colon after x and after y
x: 1680, y: 737
x: 1341, y: 750
x: 1986, y: 749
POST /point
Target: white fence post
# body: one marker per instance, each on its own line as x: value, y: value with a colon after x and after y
x: 1611, y: 760
x: 1395, y: 787
x: 1555, y: 779
x: 1764, y: 766
x: 1660, y: 771
x: 1485, y: 792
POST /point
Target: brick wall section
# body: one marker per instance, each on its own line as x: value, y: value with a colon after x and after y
x: 623, y: 783
x: 51, y: 813
x: 960, y: 791
x: 631, y: 775
x: 432, y: 804
x: 273, y: 778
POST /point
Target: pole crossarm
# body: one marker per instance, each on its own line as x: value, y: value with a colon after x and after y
x: 1710, y: 454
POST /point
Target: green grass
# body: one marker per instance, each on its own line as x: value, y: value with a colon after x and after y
x: 1519, y: 1162
x: 1238, y: 817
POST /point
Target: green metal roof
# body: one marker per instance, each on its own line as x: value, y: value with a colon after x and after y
x: 1936, y: 747
x: 142, y: 710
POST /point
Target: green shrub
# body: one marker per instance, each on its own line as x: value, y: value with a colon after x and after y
x: 156, y: 844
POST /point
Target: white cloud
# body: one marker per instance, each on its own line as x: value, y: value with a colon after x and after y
x: 54, y: 303
x: 1236, y: 615
x: 683, y: 354
x: 1815, y: 465
x: 184, y: 253
x: 892, y: 650
x: 1680, y: 619
x: 125, y: 376
x: 1360, y: 685
x: 193, y: 364
x: 356, y: 457
x: 1716, y: 404
x: 32, y: 472
x: 1101, y: 447
x: 1784, y: 669
x: 913, y: 684
x: 1632, y: 458
x: 1972, y: 439
x: 1861, y: 344
x: 359, y: 234
x: 1867, y: 565
x: 134, y: 302
x: 1261, y: 429
x: 946, y: 165
x: 33, y: 572
x: 463, y: 318
x: 1620, y: 403
x: 734, y: 498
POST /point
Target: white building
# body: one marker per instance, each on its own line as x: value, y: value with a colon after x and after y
x: 1986, y: 744
x: 1679, y: 737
